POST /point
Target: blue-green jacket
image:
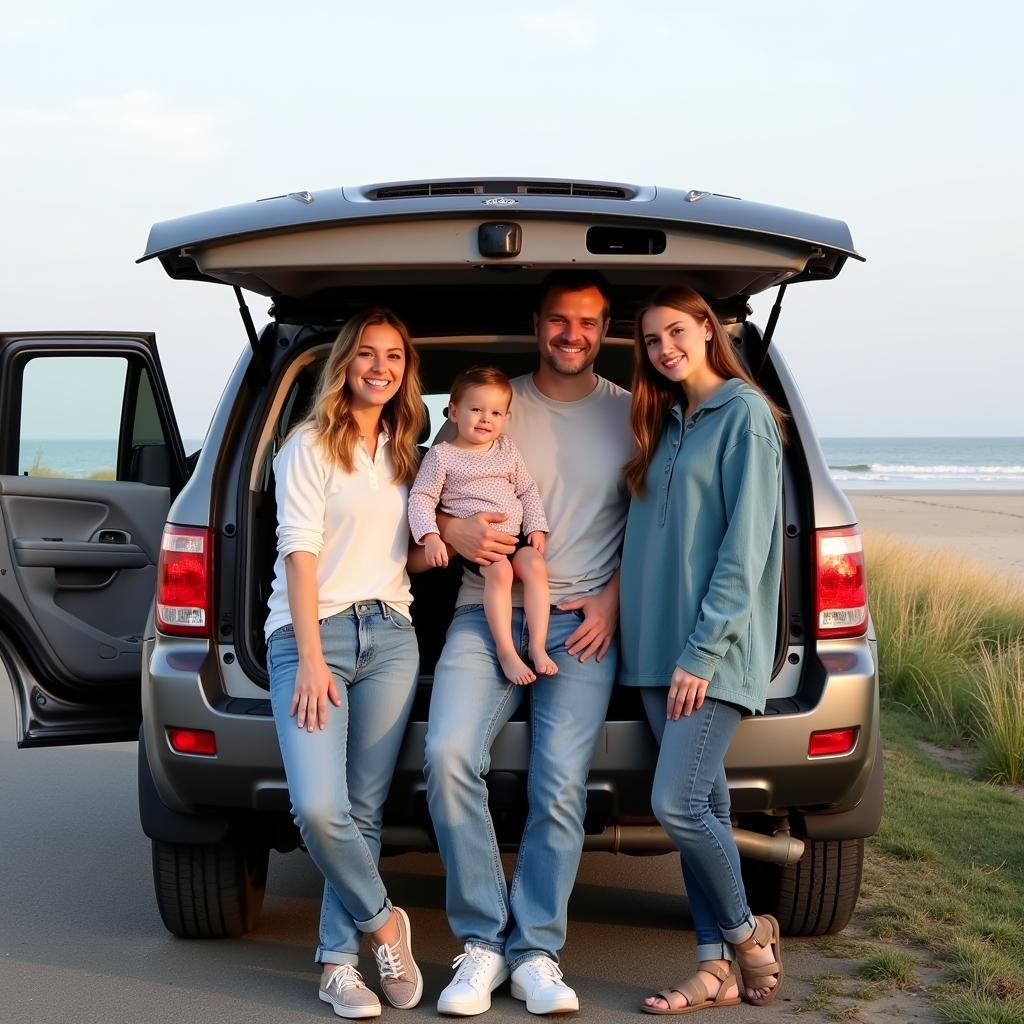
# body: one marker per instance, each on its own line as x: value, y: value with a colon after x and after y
x: 702, y: 556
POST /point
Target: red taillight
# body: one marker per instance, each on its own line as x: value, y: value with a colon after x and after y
x: 832, y: 741
x: 842, y: 597
x: 193, y: 741
x: 183, y: 582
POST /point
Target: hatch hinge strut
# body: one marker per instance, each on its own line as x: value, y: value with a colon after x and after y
x: 773, y: 319
x: 259, y: 357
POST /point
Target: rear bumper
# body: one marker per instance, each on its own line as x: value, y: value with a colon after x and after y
x: 767, y: 766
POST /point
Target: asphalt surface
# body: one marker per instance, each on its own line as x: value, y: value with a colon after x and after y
x: 81, y: 939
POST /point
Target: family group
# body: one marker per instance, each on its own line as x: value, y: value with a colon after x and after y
x: 605, y: 537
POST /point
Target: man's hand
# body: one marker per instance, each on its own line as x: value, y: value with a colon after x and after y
x: 593, y: 636
x: 537, y: 540
x: 474, y: 539
x: 685, y: 694
x: 436, y: 550
x: 314, y: 688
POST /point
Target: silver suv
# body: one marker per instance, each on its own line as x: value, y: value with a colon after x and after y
x: 157, y: 573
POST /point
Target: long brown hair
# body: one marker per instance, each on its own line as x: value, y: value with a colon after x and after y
x: 402, y: 416
x: 654, y: 395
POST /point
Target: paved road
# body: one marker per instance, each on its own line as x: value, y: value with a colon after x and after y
x: 81, y: 940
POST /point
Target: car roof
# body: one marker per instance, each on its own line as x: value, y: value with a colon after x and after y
x: 293, y: 245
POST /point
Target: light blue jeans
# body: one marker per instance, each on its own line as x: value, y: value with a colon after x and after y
x: 471, y: 701
x: 338, y: 778
x: 691, y: 800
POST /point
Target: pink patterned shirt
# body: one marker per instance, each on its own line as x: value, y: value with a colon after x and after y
x: 462, y: 482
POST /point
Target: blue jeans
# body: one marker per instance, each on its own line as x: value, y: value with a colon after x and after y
x: 691, y: 800
x: 338, y: 778
x: 471, y: 702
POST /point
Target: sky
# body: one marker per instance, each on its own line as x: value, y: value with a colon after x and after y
x: 903, y: 119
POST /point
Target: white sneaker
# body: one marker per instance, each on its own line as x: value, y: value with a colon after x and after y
x: 539, y: 982
x: 478, y: 972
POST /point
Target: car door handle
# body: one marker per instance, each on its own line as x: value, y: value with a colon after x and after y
x: 43, y: 552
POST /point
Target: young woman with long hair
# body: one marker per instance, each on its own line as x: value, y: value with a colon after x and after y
x: 342, y: 651
x: 701, y: 571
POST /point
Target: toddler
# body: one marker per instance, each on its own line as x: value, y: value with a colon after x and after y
x: 481, y: 470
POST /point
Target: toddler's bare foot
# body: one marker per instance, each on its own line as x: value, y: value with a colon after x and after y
x: 542, y: 664
x: 516, y: 670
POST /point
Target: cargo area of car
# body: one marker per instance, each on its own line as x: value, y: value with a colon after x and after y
x: 434, y: 593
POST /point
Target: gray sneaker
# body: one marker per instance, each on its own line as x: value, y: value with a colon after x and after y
x: 400, y: 978
x: 345, y: 991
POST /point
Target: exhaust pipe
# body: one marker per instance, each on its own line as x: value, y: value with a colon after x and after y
x: 651, y: 840
x: 638, y: 840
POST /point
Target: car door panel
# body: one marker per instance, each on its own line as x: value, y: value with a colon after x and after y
x: 59, y: 568
x: 80, y: 542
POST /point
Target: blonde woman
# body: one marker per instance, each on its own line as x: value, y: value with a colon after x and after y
x: 342, y: 651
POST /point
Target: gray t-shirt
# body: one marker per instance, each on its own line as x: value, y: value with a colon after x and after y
x: 575, y: 451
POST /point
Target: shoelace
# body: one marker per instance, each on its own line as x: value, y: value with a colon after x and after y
x: 545, y: 971
x: 389, y: 963
x: 468, y: 966
x: 344, y: 976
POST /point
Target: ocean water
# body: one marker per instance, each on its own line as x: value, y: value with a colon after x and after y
x: 925, y: 463
x: 79, y: 459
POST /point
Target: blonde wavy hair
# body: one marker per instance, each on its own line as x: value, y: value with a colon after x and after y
x: 654, y: 395
x: 402, y: 417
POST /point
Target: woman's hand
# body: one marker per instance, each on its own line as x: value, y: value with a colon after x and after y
x: 685, y: 694
x: 537, y: 540
x: 314, y: 687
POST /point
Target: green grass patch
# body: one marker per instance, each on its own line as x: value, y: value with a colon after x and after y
x: 816, y: 1002
x: 845, y: 1013
x: 829, y: 983
x: 971, y: 1009
x: 964, y: 901
x: 889, y: 966
x: 843, y: 947
x: 865, y: 993
x: 985, y: 970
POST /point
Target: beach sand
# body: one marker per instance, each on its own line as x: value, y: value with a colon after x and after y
x: 987, y: 526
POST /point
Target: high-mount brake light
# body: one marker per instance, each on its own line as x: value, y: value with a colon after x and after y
x: 840, y: 589
x: 830, y: 742
x: 184, y: 582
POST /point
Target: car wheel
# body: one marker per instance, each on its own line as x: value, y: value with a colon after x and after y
x: 815, y: 896
x: 210, y: 891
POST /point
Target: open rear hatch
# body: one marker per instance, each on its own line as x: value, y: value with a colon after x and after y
x: 356, y: 243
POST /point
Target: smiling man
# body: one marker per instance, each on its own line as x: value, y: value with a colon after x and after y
x: 572, y: 428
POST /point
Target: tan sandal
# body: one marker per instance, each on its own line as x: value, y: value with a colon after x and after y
x: 766, y: 933
x: 694, y: 991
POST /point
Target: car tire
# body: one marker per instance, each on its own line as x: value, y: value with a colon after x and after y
x: 210, y: 891
x: 815, y: 896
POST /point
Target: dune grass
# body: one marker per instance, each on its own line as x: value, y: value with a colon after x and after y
x: 951, y: 648
x: 1000, y: 715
